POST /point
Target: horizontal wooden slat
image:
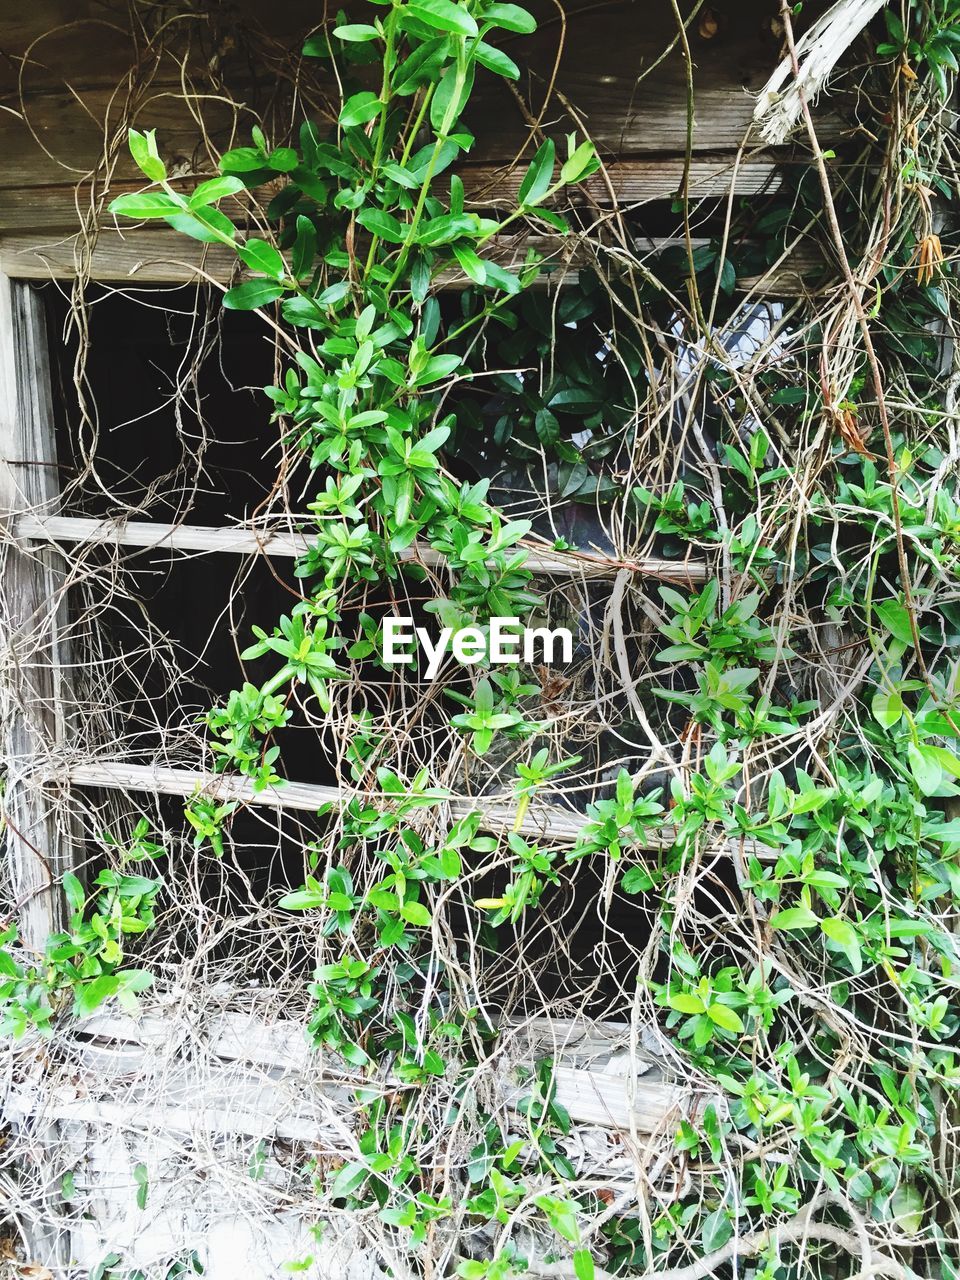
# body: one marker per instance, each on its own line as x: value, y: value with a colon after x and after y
x: 544, y: 822
x: 555, y: 824
x: 140, y: 257
x: 163, y: 256
x: 608, y: 58
x: 261, y: 1079
x: 246, y: 541
x: 605, y: 50
x: 633, y: 180
x: 39, y: 210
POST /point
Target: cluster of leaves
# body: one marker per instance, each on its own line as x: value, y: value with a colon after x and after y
x: 362, y: 238
x: 353, y: 1017
x: 84, y: 966
x: 847, y: 868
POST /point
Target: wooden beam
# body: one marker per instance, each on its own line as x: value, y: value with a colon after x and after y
x: 288, y: 1091
x: 33, y: 621
x: 35, y: 211
x: 615, y: 68
x: 138, y: 256
x: 246, y: 541
x: 556, y: 825
x: 543, y: 822
x: 36, y: 845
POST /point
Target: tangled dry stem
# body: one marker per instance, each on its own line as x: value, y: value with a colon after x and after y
x: 224, y: 950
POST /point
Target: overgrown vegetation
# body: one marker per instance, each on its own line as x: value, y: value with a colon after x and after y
x: 778, y: 811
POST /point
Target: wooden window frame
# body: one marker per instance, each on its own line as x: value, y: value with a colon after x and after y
x: 39, y: 853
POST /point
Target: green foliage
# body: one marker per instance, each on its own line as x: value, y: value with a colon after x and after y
x: 85, y: 965
x: 935, y: 47
x: 829, y: 813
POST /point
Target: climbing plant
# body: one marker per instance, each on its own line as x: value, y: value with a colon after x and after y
x: 774, y: 803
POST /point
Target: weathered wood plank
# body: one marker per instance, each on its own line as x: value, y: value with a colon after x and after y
x: 301, y: 796
x: 32, y: 620
x: 32, y: 652
x: 286, y: 1086
x: 166, y: 257
x: 138, y: 257
x: 273, y: 542
x: 303, y: 1110
x: 26, y: 209
x: 541, y: 821
x: 609, y: 61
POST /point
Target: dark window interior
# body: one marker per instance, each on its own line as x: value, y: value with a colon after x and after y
x: 177, y: 430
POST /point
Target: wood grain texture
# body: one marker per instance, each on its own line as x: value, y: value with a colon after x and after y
x: 165, y: 257
x: 150, y: 536
x: 36, y: 846
x: 33, y: 618
x: 544, y: 822
x: 67, y: 100
x: 26, y: 208
x: 259, y: 1079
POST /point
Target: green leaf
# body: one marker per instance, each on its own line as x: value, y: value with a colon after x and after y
x: 794, y: 918
x: 450, y: 98
x: 845, y: 936
x: 907, y: 1208
x: 561, y: 1214
x: 443, y: 15
x: 302, y: 900
x: 401, y: 176
x: 74, y: 891
x: 258, y: 1161
x: 896, y: 619
x: 260, y: 256
x: 472, y: 265
x: 383, y: 224
x: 547, y: 427
x: 583, y: 1267
x: 495, y: 60
x: 716, y: 1230
x: 636, y: 880
x: 215, y: 189
x: 356, y: 33
x: 789, y: 395
x: 537, y: 179
x: 581, y: 164
x: 143, y: 148
x: 511, y: 17
x: 686, y: 1002
x: 359, y: 109
x: 925, y: 768
x: 142, y: 1179
x: 146, y: 204
x: 242, y: 160
x: 422, y: 66
x: 252, y: 294
x: 348, y: 1178
x: 89, y: 996
x: 206, y: 224
x: 555, y: 220
x: 304, y: 247
x: 725, y: 1017
x: 283, y: 160
x: 887, y: 708
x: 353, y: 1054
x: 417, y: 914
x: 134, y: 980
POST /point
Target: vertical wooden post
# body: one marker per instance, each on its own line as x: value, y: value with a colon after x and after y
x: 32, y: 616
x: 32, y: 685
